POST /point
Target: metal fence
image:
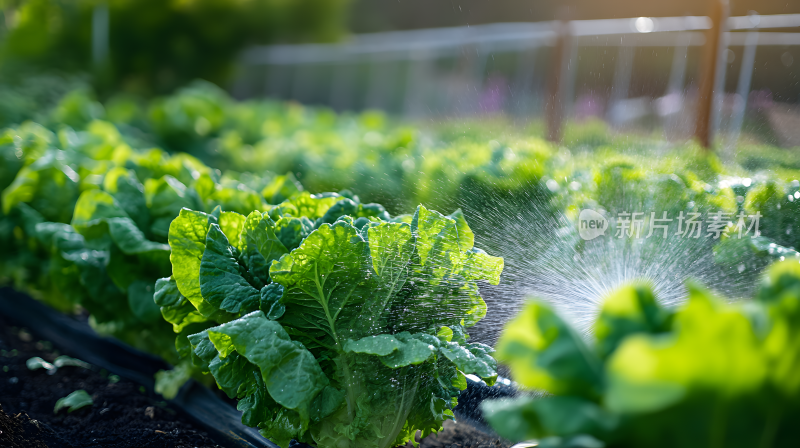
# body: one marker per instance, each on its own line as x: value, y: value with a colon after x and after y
x: 504, y: 68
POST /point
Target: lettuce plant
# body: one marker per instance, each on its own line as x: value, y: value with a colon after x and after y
x: 332, y: 323
x: 709, y: 374
x: 118, y: 237
x: 91, y: 221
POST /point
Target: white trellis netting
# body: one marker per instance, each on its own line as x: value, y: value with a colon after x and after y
x: 446, y: 71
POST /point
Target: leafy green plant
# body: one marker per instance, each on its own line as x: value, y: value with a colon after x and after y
x: 155, y: 46
x: 88, y: 208
x: 707, y: 374
x: 89, y: 217
x: 74, y: 401
x: 36, y: 363
x: 779, y: 203
x: 331, y: 322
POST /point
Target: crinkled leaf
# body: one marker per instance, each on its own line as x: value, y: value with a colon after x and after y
x: 203, y: 350
x: 473, y: 358
x: 259, y: 245
x: 232, y: 372
x: 231, y: 224
x: 395, y: 351
x: 270, y: 301
x: 311, y: 206
x: 256, y: 405
x: 324, y: 281
x: 437, y: 237
x: 391, y: 246
x: 475, y: 305
x: 187, y: 240
x: 292, y: 231
x: 342, y: 207
x: 290, y: 372
x: 283, y: 427
x: 221, y: 280
x: 281, y: 188
x: 466, y: 239
x: 175, y: 308
x: 481, y: 266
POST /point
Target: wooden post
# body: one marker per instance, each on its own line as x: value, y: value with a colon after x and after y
x: 554, y: 106
x: 710, y: 65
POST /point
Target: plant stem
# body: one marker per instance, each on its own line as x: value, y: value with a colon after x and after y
x: 323, y: 300
x: 402, y: 412
x: 770, y: 428
x: 717, y: 436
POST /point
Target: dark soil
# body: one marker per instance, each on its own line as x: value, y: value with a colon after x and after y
x: 124, y: 414
x: 20, y: 430
x: 456, y: 435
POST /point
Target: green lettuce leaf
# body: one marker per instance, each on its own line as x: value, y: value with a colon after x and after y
x: 291, y: 374
x: 259, y: 245
x: 187, y: 238
x: 328, y: 326
x: 175, y: 308
x: 221, y: 283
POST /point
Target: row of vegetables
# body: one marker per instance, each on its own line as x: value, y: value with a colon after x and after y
x: 708, y: 374
x: 338, y: 323
x: 330, y: 321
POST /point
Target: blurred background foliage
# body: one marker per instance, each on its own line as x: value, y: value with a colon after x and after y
x: 154, y: 46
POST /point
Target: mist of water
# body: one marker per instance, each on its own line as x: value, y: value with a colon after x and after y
x: 546, y: 259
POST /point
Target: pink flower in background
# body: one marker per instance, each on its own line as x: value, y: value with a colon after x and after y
x: 589, y: 105
x: 493, y: 96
